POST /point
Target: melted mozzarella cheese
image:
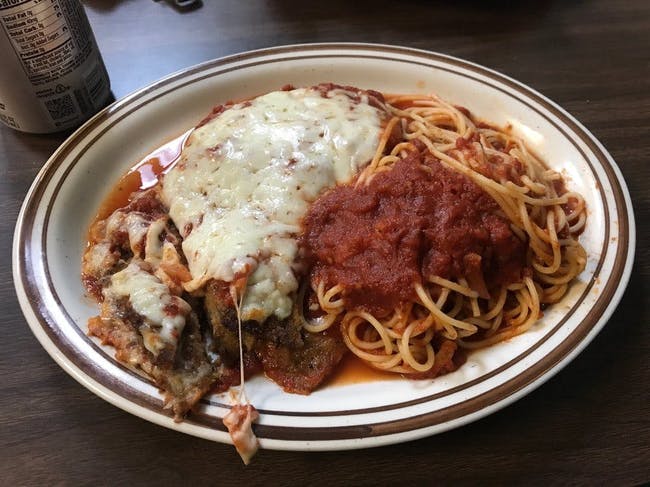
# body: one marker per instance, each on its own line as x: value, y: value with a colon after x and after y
x: 239, y: 422
x: 164, y: 313
x: 245, y: 180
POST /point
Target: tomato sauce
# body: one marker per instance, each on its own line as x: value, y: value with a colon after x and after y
x: 417, y: 220
x: 143, y: 175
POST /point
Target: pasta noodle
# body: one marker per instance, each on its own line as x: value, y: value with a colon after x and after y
x: 540, y: 211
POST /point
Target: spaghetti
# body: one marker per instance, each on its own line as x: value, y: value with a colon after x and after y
x: 507, y: 253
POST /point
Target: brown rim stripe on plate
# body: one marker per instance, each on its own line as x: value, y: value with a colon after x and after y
x: 157, y: 403
x: 450, y: 391
x: 397, y: 405
x: 213, y: 74
x: 393, y: 426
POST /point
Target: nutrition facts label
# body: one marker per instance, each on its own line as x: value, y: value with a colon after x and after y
x: 50, y: 37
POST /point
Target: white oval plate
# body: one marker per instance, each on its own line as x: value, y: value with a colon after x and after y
x: 50, y: 234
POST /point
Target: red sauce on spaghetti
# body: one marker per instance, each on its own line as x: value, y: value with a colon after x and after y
x: 417, y: 220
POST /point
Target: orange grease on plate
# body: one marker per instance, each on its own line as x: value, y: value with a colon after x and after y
x: 143, y: 175
x: 352, y: 370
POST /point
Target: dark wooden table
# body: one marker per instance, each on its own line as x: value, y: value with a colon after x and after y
x: 589, y: 424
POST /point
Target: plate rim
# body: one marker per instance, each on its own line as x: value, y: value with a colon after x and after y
x: 619, y: 191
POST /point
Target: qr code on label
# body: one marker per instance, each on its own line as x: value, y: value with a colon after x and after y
x: 60, y: 107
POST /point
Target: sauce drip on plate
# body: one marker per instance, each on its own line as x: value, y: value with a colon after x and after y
x: 145, y: 174
x: 352, y: 370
